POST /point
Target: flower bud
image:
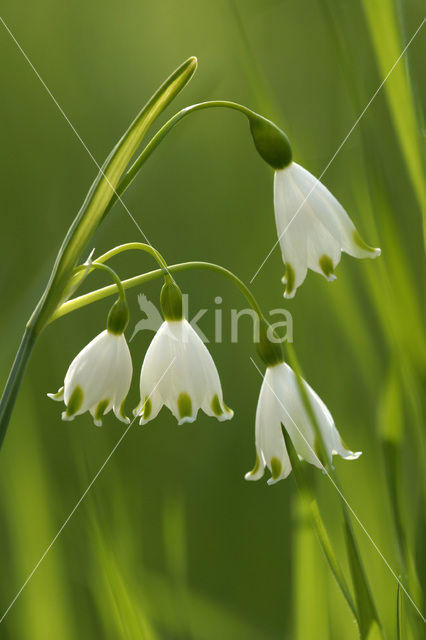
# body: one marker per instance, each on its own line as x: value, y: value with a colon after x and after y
x: 269, y: 346
x: 118, y: 317
x: 171, y: 300
x: 272, y: 143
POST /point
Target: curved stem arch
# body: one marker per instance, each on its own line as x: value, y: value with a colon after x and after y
x: 130, y: 175
x: 105, y: 292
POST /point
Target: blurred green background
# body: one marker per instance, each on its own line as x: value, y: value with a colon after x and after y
x: 171, y: 542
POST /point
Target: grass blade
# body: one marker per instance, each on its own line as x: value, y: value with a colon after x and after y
x: 382, y: 22
x: 368, y: 618
x: 398, y: 613
x: 84, y: 225
x: 102, y: 191
x: 318, y: 524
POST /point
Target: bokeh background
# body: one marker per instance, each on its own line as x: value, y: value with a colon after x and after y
x: 171, y: 542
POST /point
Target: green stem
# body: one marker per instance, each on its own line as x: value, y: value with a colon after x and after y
x: 140, y: 246
x: 111, y: 272
x: 86, y: 222
x: 103, y: 192
x: 99, y: 294
x: 307, y: 496
x: 366, y: 608
x: 15, y: 376
x: 130, y: 175
x: 84, y: 225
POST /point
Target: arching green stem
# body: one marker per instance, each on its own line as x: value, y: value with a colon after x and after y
x: 271, y: 143
x: 129, y: 246
x: 85, y: 223
x: 99, y: 294
x: 129, y: 176
x: 111, y: 272
x: 81, y: 272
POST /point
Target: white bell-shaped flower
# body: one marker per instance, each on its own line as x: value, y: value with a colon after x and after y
x: 280, y: 404
x: 98, y: 379
x: 178, y: 371
x: 313, y: 227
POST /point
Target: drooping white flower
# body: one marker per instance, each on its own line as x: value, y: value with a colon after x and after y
x: 280, y: 403
x: 178, y: 371
x: 98, y: 379
x: 313, y: 227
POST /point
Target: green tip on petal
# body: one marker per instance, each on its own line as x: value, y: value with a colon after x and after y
x: 289, y: 279
x: 327, y: 267
x: 184, y: 404
x: 220, y: 409
x: 99, y: 412
x: 121, y: 413
x: 216, y: 406
x: 147, y: 408
x: 256, y: 466
x: 256, y: 472
x: 276, y: 468
x: 75, y: 403
x: 58, y: 396
x: 363, y: 245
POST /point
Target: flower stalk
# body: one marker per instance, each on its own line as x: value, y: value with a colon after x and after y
x: 271, y: 143
x: 80, y: 273
x: 105, y: 292
x: 367, y: 616
x: 102, y: 191
x: 91, y: 214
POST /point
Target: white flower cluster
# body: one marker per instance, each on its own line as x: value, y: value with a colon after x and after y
x: 178, y: 370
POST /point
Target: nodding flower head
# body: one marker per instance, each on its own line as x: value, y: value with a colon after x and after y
x: 281, y: 405
x: 178, y: 371
x: 313, y: 227
x: 98, y: 379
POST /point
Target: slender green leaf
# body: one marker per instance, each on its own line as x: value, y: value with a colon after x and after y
x: 120, y: 611
x: 31, y: 522
x: 391, y: 429
x: 84, y: 225
x: 398, y: 612
x: 365, y: 605
x: 318, y: 523
x: 102, y: 190
x: 310, y: 620
x: 382, y: 21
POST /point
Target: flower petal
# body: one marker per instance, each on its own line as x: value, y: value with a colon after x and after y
x: 291, y: 229
x: 124, y: 372
x: 191, y: 382
x: 298, y: 422
x: 98, y: 378
x: 269, y: 430
x: 332, y: 215
x: 313, y: 227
